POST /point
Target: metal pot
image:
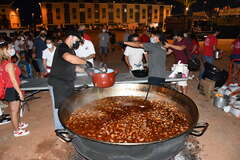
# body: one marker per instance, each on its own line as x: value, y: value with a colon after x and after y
x: 221, y: 100
x: 140, y: 73
x: 104, y: 80
x: 98, y: 150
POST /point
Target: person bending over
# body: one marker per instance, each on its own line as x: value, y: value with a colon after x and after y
x: 134, y: 56
x: 156, y: 57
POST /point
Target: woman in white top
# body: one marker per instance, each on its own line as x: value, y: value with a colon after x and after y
x: 48, y: 55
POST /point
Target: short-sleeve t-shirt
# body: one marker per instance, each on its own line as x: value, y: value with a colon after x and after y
x: 86, y: 36
x: 236, y: 46
x: 189, y: 46
x: 135, y: 56
x: 209, y: 42
x: 48, y: 55
x: 180, y: 55
x: 144, y: 38
x: 156, y: 59
x: 85, y: 50
x: 40, y: 45
x: 62, y: 70
x: 196, y: 44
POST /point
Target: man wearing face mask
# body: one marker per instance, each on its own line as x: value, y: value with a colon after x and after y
x: 48, y: 55
x: 62, y: 75
x: 38, y: 46
x: 103, y: 42
x: 156, y: 57
x: 19, y: 45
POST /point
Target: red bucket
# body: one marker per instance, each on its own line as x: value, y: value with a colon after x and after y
x: 104, y: 80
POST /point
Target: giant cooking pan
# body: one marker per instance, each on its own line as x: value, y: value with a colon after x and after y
x: 158, y: 150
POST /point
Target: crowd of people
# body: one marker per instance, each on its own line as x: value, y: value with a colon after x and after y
x: 56, y: 56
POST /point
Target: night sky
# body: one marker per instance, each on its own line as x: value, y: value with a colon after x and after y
x: 27, y: 7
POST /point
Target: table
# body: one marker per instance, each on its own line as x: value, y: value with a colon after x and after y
x: 83, y: 79
x: 35, y: 86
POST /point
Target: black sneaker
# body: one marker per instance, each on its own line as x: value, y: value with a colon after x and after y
x: 6, y: 116
x: 5, y: 121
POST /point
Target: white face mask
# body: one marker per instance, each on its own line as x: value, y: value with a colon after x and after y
x: 11, y: 52
x: 152, y: 40
x: 49, y: 45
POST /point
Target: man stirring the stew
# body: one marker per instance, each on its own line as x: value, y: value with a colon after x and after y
x: 62, y: 75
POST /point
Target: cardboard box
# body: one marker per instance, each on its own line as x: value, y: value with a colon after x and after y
x: 206, y: 87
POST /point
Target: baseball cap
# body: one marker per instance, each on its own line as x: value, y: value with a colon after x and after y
x: 74, y: 33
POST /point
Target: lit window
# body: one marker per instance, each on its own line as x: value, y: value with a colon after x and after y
x: 143, y: 13
x: 167, y: 12
x: 155, y: 13
x: 89, y: 13
x: 74, y: 13
x: 103, y: 12
x: 58, y: 13
x: 81, y: 5
x: 118, y: 12
x: 131, y: 13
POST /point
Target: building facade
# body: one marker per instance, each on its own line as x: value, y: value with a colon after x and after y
x: 228, y: 17
x: 75, y: 13
x: 228, y: 11
x: 9, y: 18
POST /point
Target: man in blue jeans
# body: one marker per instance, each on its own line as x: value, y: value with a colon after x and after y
x: 210, y: 45
x: 103, y: 42
x: 62, y: 75
x: 38, y: 46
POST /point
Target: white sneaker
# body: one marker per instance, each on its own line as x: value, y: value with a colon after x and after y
x: 21, y: 132
x: 23, y: 125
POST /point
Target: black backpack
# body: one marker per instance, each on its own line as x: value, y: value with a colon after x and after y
x: 194, y: 64
x: 215, y: 74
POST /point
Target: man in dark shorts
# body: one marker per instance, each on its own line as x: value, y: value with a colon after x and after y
x: 156, y: 57
x: 62, y: 75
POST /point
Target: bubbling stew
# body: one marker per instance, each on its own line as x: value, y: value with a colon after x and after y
x: 128, y: 119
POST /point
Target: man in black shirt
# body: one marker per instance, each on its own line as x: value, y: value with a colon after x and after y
x: 62, y: 75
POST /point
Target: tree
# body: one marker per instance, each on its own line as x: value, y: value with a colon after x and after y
x: 187, y: 4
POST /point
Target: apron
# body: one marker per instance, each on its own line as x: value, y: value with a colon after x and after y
x: 61, y: 92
